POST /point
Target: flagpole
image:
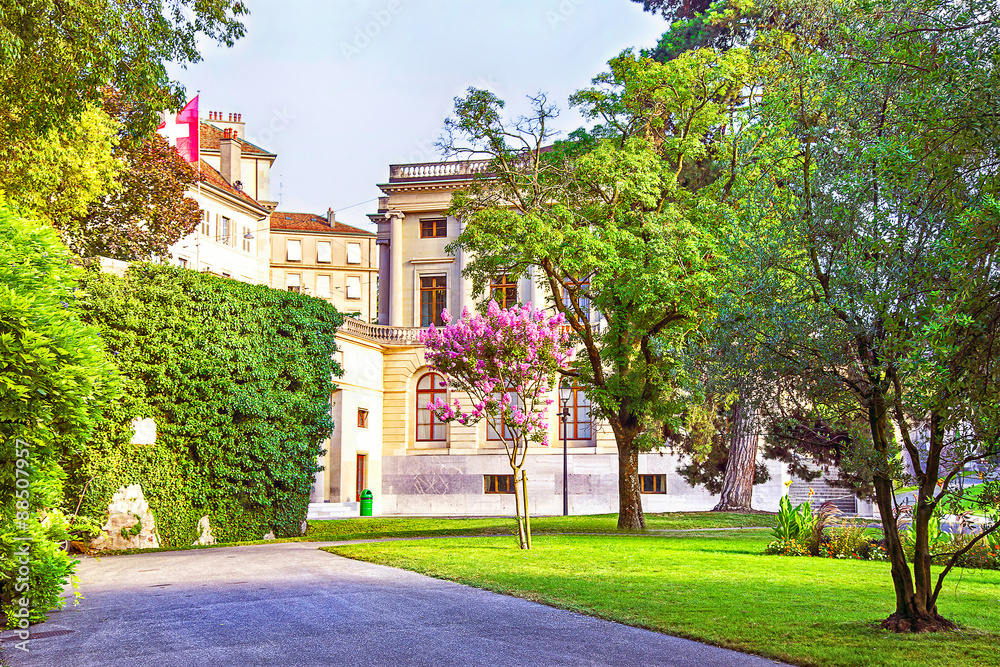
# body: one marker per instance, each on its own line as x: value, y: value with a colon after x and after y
x: 197, y: 242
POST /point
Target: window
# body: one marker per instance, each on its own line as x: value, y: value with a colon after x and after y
x: 353, y: 284
x: 503, y: 290
x: 223, y: 230
x: 353, y: 253
x: 582, y: 290
x: 653, y: 483
x: 578, y: 423
x: 498, y: 484
x: 430, y: 388
x: 362, y: 418
x: 433, y: 228
x: 324, y: 254
x: 323, y: 286
x: 293, y: 251
x: 293, y: 282
x: 433, y: 290
x: 206, y: 223
x: 182, y: 262
x: 491, y: 430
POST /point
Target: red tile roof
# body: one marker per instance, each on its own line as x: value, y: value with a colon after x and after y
x: 210, y: 136
x: 210, y: 175
x: 310, y: 222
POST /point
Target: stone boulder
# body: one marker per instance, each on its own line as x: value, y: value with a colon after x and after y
x: 130, y: 524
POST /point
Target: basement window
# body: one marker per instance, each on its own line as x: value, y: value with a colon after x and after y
x: 653, y: 483
x: 498, y: 484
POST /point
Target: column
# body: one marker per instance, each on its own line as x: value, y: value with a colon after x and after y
x: 396, y: 271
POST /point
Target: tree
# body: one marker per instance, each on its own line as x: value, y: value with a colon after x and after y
x: 505, y: 363
x: 620, y: 221
x: 58, y: 57
x: 146, y: 213
x: 54, y: 379
x: 870, y: 288
x: 57, y: 174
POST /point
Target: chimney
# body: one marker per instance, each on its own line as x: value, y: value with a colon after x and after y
x: 230, y: 152
x: 329, y: 216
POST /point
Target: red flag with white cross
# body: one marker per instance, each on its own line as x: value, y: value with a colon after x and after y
x: 181, y: 130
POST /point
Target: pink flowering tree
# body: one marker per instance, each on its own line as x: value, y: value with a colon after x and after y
x: 506, y: 361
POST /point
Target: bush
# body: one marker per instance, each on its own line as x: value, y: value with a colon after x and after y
x: 787, y: 547
x: 53, y: 379
x: 238, y: 378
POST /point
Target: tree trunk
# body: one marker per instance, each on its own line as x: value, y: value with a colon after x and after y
x: 913, y: 614
x: 737, y: 484
x: 629, y: 499
x: 520, y: 490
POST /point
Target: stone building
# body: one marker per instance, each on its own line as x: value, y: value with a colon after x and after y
x: 386, y: 440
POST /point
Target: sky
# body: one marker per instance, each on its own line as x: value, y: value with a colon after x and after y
x: 341, y: 89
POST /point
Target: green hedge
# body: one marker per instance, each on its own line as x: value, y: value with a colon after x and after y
x: 238, y: 378
x: 54, y: 377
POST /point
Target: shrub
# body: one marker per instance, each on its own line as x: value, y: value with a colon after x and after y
x: 794, y: 523
x: 787, y: 547
x: 53, y: 379
x: 238, y: 378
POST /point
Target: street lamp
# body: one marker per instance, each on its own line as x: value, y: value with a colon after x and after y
x: 565, y: 392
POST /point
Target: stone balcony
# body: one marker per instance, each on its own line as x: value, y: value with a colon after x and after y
x: 437, y: 171
x: 380, y: 333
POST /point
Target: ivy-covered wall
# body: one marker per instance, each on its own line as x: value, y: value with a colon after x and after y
x: 238, y: 378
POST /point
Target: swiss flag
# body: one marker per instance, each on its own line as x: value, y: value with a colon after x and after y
x: 181, y: 130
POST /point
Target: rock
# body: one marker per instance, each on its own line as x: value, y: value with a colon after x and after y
x: 269, y: 535
x: 130, y: 524
x: 205, y: 530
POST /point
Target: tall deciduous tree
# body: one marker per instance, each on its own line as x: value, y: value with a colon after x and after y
x: 146, y: 213
x: 873, y: 287
x: 506, y: 363
x: 619, y: 224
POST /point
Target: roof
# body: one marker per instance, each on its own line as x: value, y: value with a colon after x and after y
x: 210, y: 136
x: 211, y: 176
x: 311, y: 222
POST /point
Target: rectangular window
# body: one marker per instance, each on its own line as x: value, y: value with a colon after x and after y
x: 206, y: 223
x: 323, y: 287
x: 293, y: 250
x: 293, y: 282
x: 324, y: 254
x: 362, y: 418
x: 582, y: 294
x: 503, y: 290
x: 498, y: 484
x: 224, y: 230
x: 577, y: 425
x: 433, y: 228
x: 353, y: 285
x: 653, y: 483
x: 353, y: 253
x: 433, y: 291
x: 182, y: 263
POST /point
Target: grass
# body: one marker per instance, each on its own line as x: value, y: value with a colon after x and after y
x: 717, y: 588
x: 378, y: 527
x: 397, y: 526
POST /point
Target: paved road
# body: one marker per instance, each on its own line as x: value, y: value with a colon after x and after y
x: 290, y: 604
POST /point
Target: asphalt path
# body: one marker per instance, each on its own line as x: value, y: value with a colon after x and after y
x: 291, y: 604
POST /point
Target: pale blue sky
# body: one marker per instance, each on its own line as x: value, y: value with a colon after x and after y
x: 342, y: 89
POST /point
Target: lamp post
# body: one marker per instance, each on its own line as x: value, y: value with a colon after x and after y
x: 565, y: 392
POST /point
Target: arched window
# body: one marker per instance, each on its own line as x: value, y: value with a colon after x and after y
x: 492, y: 432
x: 578, y: 424
x: 429, y: 388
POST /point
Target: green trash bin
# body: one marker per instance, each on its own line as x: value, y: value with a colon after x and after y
x: 366, y: 503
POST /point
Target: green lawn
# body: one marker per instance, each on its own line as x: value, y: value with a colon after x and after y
x: 375, y: 527
x: 717, y: 588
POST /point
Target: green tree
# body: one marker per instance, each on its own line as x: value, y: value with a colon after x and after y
x: 146, y: 213
x: 53, y: 379
x: 56, y: 58
x: 619, y: 224
x: 57, y: 174
x: 868, y: 248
